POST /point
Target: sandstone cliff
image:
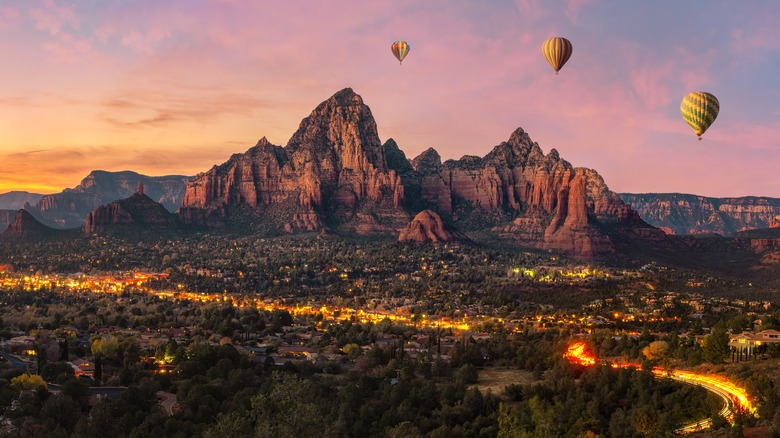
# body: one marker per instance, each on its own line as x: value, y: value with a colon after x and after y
x: 334, y: 172
x: 691, y: 214
x: 25, y: 227
x: 135, y: 214
x: 521, y: 193
x: 69, y: 208
x: 428, y: 227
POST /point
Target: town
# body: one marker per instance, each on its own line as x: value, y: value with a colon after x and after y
x: 448, y: 314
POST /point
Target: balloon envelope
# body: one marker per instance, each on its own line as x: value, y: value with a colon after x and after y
x: 400, y: 50
x: 557, y: 51
x: 699, y: 109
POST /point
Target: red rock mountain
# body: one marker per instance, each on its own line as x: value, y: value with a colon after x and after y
x: 334, y: 172
x: 69, y: 208
x: 134, y: 214
x: 427, y: 227
x: 26, y: 227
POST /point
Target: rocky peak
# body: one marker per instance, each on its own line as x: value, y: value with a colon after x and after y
x: 428, y: 227
x: 519, y: 150
x: 140, y: 189
x: 332, y: 165
x: 428, y: 161
x: 396, y: 158
x: 340, y: 133
x: 138, y: 212
x: 25, y: 226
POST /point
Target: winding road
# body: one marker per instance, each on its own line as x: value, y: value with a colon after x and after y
x: 733, y: 396
x: 730, y: 400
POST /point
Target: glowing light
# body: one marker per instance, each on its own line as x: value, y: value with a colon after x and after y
x: 577, y: 354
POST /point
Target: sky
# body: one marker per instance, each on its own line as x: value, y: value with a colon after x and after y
x: 176, y: 86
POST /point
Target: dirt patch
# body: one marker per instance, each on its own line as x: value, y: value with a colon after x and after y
x: 496, y: 379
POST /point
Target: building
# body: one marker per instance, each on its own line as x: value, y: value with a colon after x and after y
x: 748, y: 343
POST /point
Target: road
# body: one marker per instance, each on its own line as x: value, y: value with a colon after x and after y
x: 15, y: 361
x: 730, y: 400
x: 734, y: 397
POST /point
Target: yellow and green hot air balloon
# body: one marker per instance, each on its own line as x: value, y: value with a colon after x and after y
x: 699, y: 109
x: 400, y: 50
x: 557, y: 51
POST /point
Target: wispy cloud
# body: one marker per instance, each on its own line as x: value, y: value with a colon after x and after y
x: 52, y: 16
x: 134, y: 84
x: 8, y: 17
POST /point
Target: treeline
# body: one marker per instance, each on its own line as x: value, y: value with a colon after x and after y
x: 384, y: 394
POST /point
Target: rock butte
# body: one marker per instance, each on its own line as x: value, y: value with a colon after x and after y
x: 335, y: 172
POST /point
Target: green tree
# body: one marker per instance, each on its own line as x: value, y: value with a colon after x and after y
x: 715, y: 349
x: 231, y: 424
x: 467, y: 374
x: 286, y: 411
x: 404, y: 430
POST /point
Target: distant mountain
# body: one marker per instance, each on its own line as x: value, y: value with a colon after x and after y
x: 334, y: 172
x: 16, y: 200
x: 133, y: 215
x: 6, y: 217
x: 69, y: 208
x: 26, y: 227
x: 684, y: 214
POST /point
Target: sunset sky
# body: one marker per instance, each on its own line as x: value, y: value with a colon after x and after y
x: 176, y: 86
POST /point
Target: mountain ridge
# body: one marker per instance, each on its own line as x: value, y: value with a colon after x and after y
x: 69, y: 208
x: 683, y: 214
x: 334, y: 172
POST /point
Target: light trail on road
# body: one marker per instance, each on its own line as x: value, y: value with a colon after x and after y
x: 734, y: 397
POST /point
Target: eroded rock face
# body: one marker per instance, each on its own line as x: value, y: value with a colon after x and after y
x: 335, y: 173
x: 332, y: 166
x: 69, y: 208
x: 136, y: 213
x: 25, y: 227
x: 546, y: 201
x: 428, y: 227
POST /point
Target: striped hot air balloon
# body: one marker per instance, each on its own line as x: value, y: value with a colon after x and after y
x: 400, y: 50
x: 557, y: 50
x: 699, y: 109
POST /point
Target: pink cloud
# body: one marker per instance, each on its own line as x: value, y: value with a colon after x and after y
x: 52, y: 17
x: 8, y: 16
x: 66, y: 47
x: 573, y: 8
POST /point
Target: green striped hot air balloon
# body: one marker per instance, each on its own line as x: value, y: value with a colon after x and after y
x: 699, y: 109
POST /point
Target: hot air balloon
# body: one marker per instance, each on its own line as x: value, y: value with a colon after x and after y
x: 400, y: 50
x: 699, y: 109
x: 557, y: 50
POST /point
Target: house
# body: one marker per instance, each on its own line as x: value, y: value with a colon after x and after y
x: 747, y: 342
x: 82, y: 367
